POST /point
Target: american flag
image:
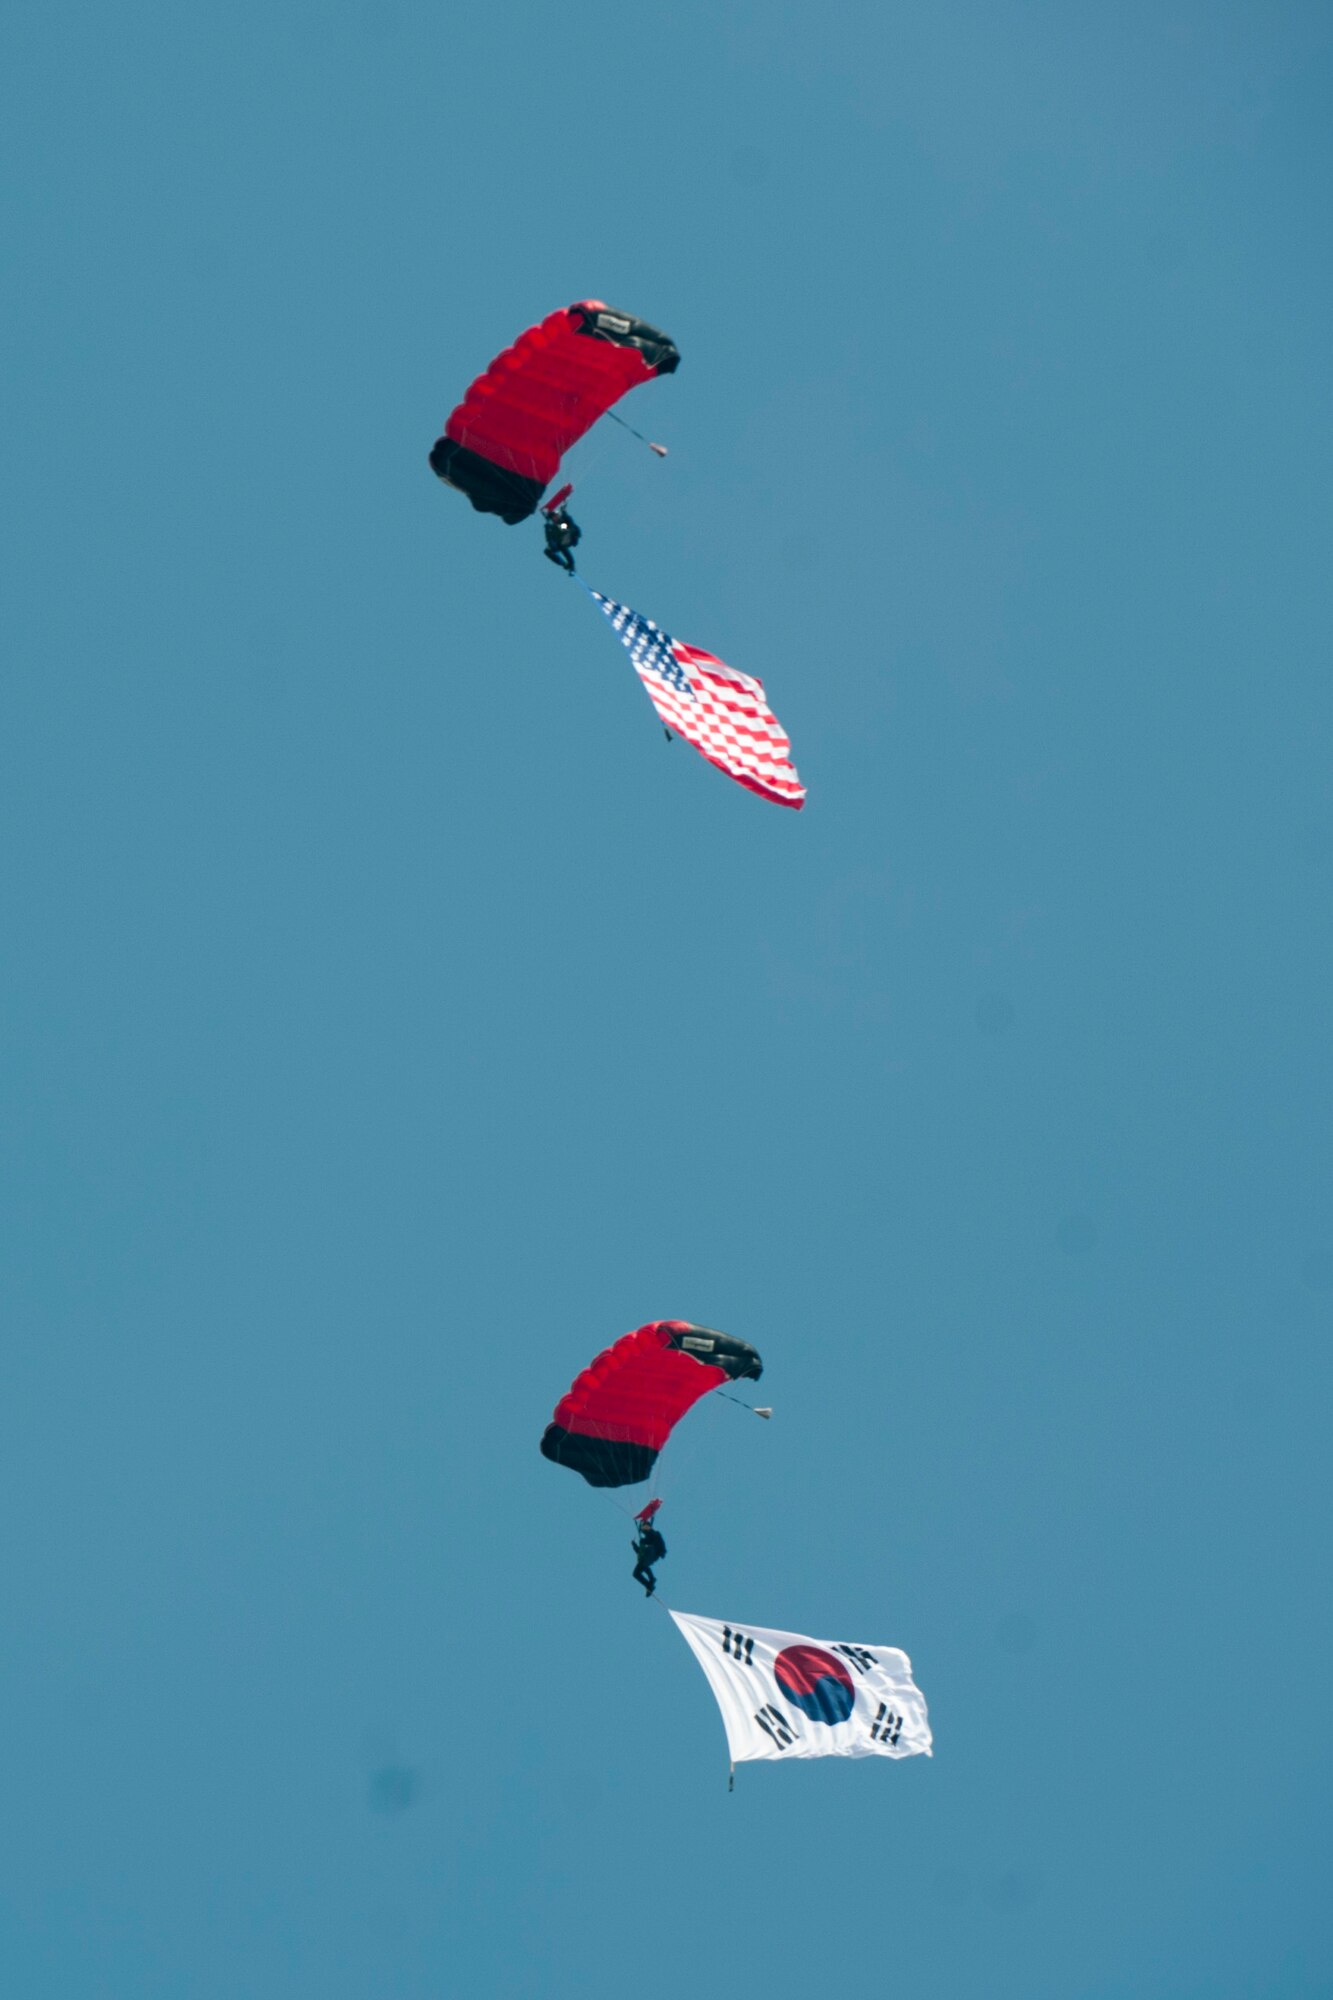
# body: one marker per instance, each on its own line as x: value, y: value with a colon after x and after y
x: 721, y: 712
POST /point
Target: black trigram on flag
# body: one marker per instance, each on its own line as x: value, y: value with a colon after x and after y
x: 775, y: 1722
x: 859, y: 1657
x: 887, y: 1727
x: 737, y: 1646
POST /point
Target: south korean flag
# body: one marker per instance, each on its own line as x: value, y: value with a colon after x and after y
x: 783, y: 1695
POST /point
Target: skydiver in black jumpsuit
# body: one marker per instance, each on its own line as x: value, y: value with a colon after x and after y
x: 649, y: 1548
x: 562, y: 537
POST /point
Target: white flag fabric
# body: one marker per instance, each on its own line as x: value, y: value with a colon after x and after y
x: 783, y: 1695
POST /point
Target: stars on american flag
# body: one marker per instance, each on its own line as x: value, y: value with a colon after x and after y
x: 649, y: 647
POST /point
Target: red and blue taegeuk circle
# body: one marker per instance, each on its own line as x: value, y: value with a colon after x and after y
x: 815, y: 1682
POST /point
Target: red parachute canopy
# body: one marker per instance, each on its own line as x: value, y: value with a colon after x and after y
x: 503, y: 444
x: 620, y: 1411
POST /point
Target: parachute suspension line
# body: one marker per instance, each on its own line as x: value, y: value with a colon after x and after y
x: 591, y: 450
x: 595, y: 1430
x: 755, y: 1409
x: 660, y: 449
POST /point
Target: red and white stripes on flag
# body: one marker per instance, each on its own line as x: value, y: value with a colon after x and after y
x: 723, y: 713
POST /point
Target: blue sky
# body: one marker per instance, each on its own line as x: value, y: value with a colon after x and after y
x: 391, y: 1019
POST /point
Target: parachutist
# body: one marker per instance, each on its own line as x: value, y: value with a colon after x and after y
x: 649, y: 1548
x: 562, y: 537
